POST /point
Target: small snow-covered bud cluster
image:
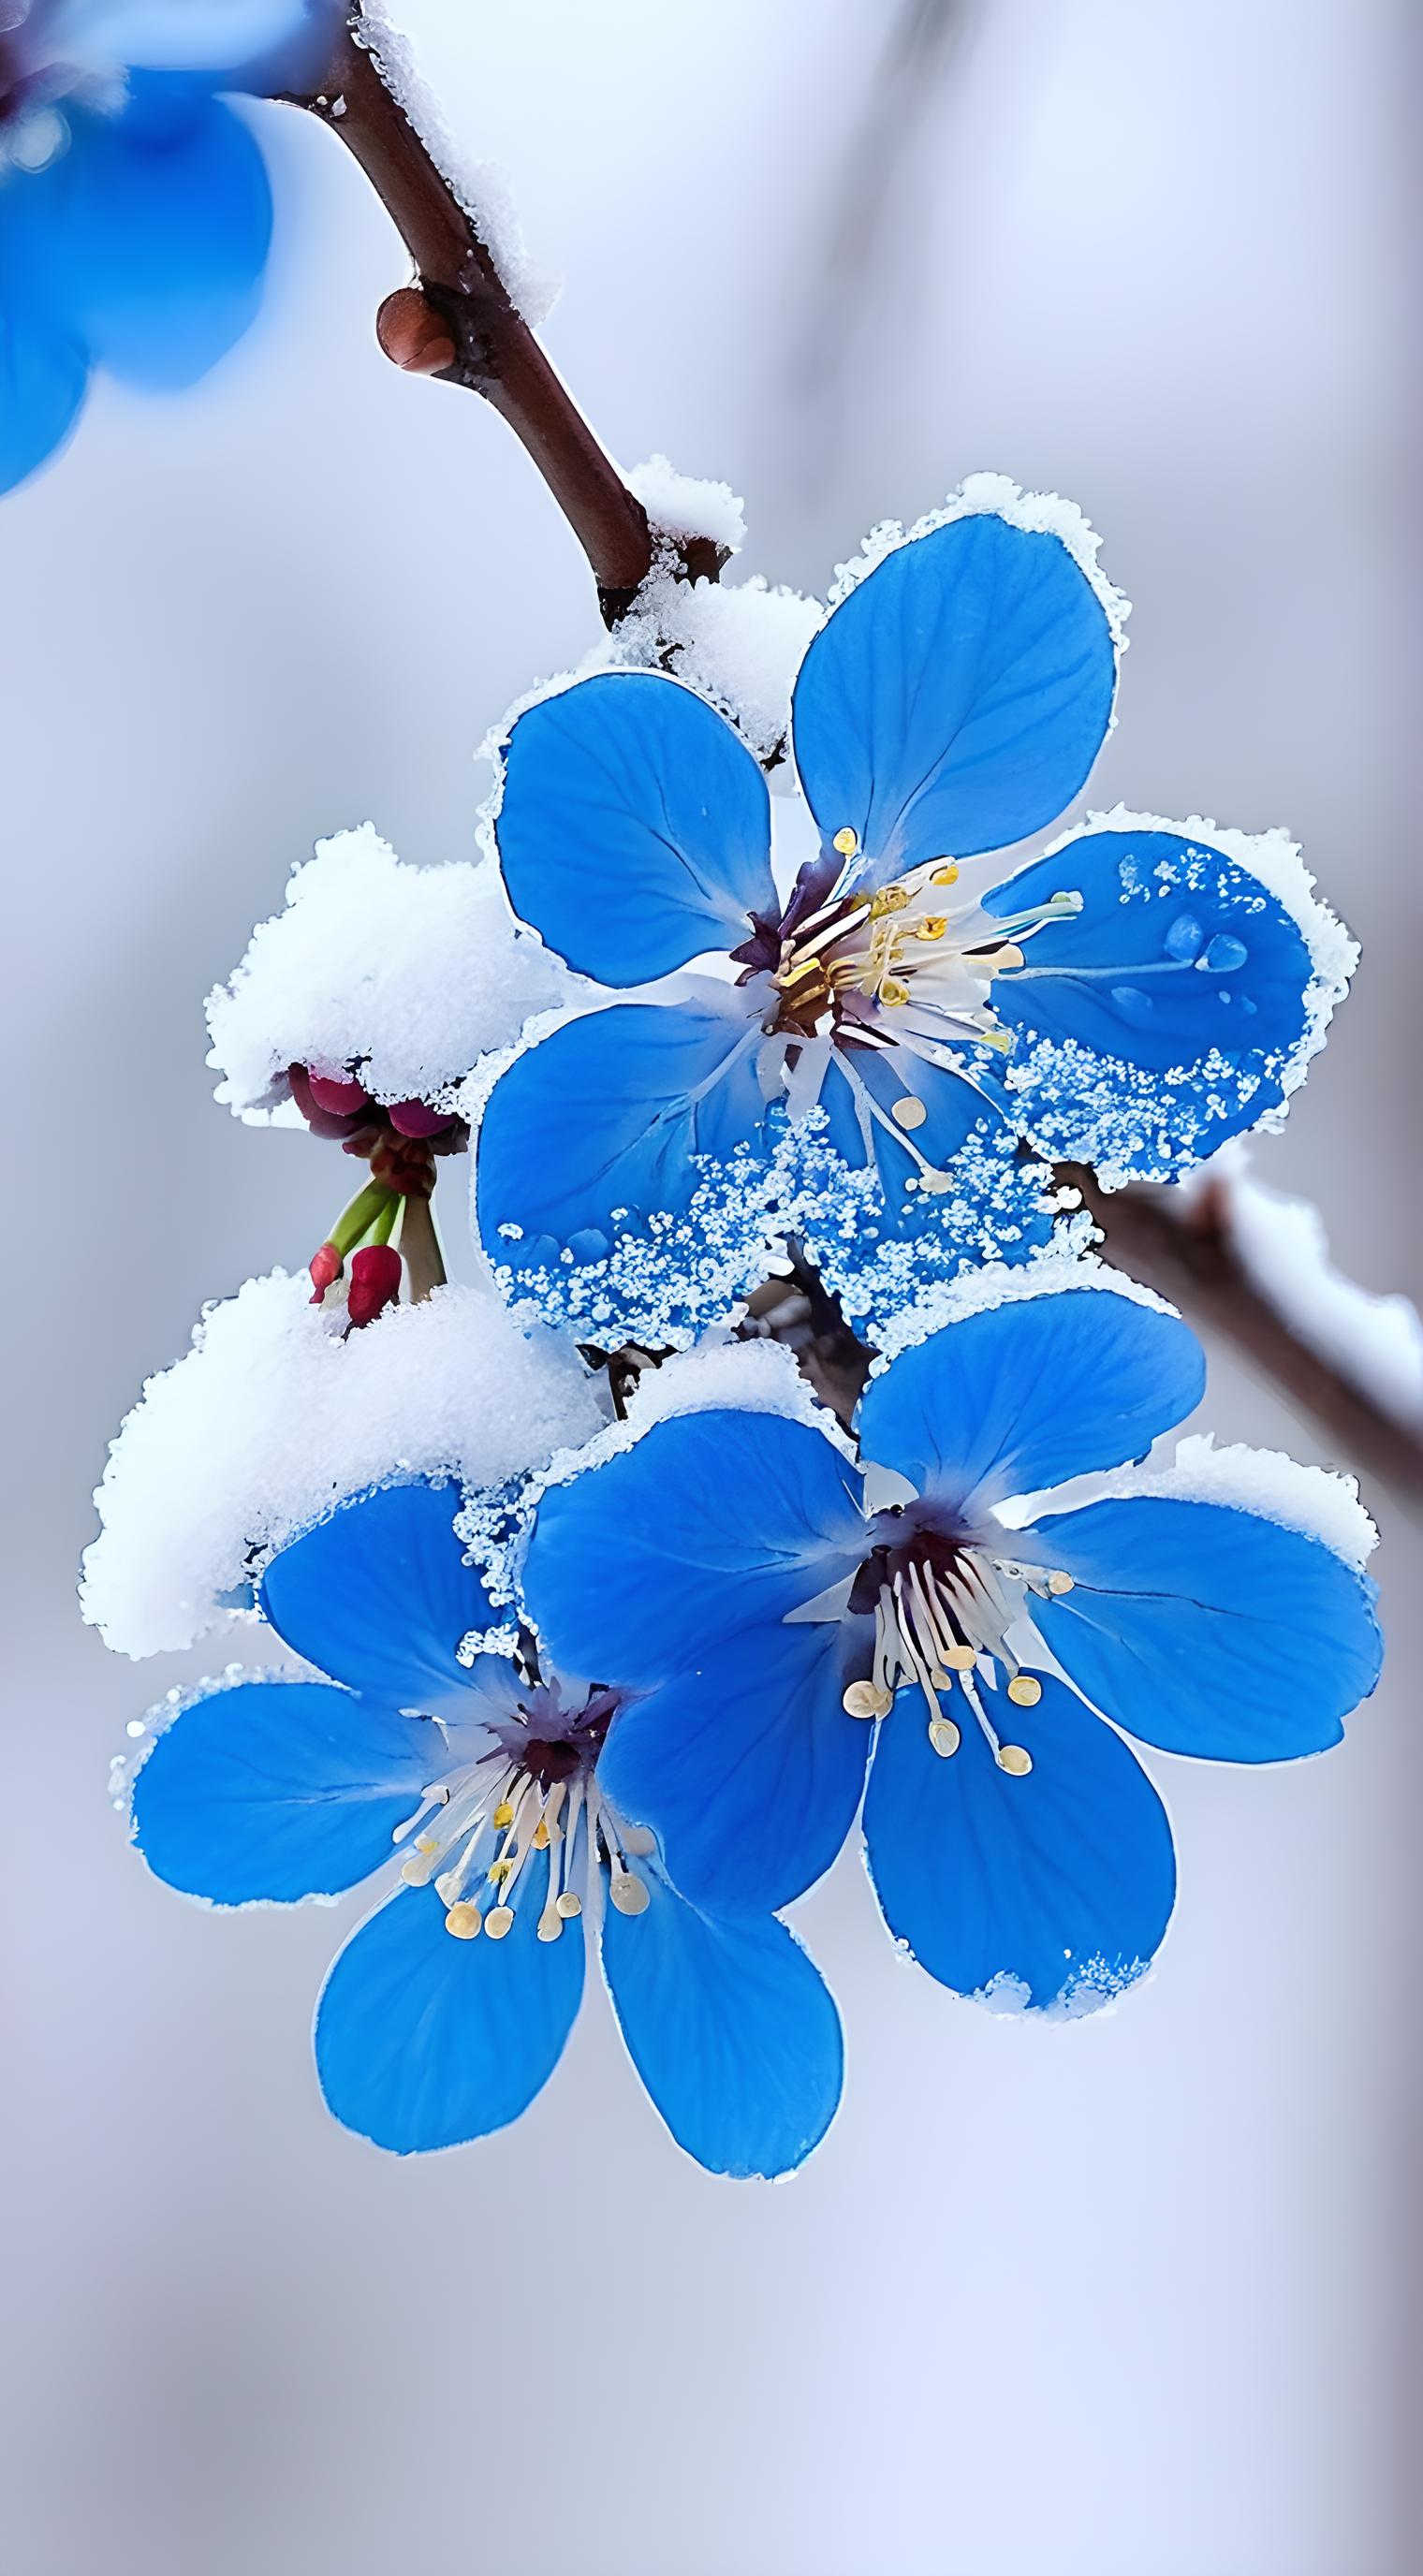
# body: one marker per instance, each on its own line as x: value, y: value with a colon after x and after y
x: 790, y: 1413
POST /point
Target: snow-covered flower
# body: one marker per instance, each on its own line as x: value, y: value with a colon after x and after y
x: 768, y: 1599
x: 1134, y: 997
x: 480, y: 1785
x: 135, y: 211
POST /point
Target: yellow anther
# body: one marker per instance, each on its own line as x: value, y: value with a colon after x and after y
x: 628, y: 1893
x: 1016, y: 1760
x: 498, y: 1921
x: 862, y: 1699
x: 933, y: 926
x: 550, y: 1924
x: 846, y: 842
x: 893, y: 994
x: 418, y: 1870
x: 1059, y: 1582
x: 569, y: 1905
x: 908, y: 1112
x: 960, y: 1659
x: 1025, y: 1690
x: 1000, y: 1039
x: 946, y: 875
x: 944, y: 1736
x: 499, y: 1871
x: 465, y: 1922
x: 893, y: 898
x: 503, y: 1815
x: 541, y: 1835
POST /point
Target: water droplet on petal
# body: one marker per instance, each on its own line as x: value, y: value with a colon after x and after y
x: 1224, y: 954
x: 1133, y: 1004
x: 1184, y: 937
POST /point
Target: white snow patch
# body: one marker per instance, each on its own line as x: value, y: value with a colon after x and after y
x: 997, y: 496
x: 1263, y: 1481
x: 718, y: 1375
x: 740, y: 644
x: 684, y: 506
x: 273, y: 1417
x: 405, y: 975
x: 480, y: 187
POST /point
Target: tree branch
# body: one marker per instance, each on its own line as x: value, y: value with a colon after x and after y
x: 462, y: 324
x: 1190, y: 1257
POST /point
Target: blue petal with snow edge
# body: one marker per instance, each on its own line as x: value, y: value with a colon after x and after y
x: 746, y: 1764
x: 272, y: 1791
x: 710, y: 1523
x: 380, y: 1596
x: 635, y: 830
x: 732, y: 2030
x: 957, y: 699
x: 1207, y: 1630
x: 425, y: 2041
x: 610, y: 1122
x: 147, y: 237
x: 1060, y: 1882
x: 1180, y: 965
x: 1029, y: 1393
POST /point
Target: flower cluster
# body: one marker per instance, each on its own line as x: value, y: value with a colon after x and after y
x: 603, y: 1627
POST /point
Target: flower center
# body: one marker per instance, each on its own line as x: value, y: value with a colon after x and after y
x: 535, y: 1790
x: 904, y: 973
x: 943, y: 1609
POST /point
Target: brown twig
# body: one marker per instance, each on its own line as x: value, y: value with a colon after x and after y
x: 1187, y: 1252
x: 461, y: 323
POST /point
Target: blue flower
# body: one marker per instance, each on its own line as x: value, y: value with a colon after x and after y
x: 135, y: 213
x: 447, y: 2010
x: 1135, y: 997
x: 732, y: 1568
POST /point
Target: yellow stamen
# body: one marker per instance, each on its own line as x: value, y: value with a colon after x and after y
x: 944, y: 1736
x: 418, y: 1870
x: 503, y: 1815
x: 846, y: 842
x: 863, y: 1700
x: 569, y: 1905
x: 1016, y: 1760
x: 946, y: 875
x: 628, y: 1893
x: 1025, y: 1690
x: 550, y: 1924
x: 908, y: 1112
x: 1059, y: 1583
x: 465, y: 1922
x: 541, y: 1835
x: 499, y: 1921
x: 893, y: 994
x: 934, y: 927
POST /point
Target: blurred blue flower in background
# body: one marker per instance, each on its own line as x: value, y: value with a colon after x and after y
x: 733, y: 1569
x: 1131, y: 999
x: 448, y: 2009
x: 135, y: 210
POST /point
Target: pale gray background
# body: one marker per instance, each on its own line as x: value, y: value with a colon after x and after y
x: 1136, y: 2298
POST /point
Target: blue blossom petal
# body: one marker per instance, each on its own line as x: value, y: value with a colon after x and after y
x: 746, y: 1764
x: 711, y: 1523
x: 272, y: 1791
x: 635, y: 830
x: 957, y: 698
x: 426, y: 2041
x: 44, y: 371
x: 1180, y: 966
x: 148, y: 235
x: 1060, y: 1882
x: 380, y: 1596
x: 732, y: 2030
x: 609, y: 1123
x: 877, y: 1234
x: 1207, y: 1630
x: 1028, y: 1393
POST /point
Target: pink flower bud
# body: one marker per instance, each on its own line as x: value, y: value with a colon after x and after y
x: 375, y: 1282
x: 325, y: 1270
x: 415, y: 1118
x: 338, y: 1099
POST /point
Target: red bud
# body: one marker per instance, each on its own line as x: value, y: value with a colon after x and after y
x: 414, y: 1118
x: 375, y: 1282
x: 325, y: 1270
x: 339, y: 1099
